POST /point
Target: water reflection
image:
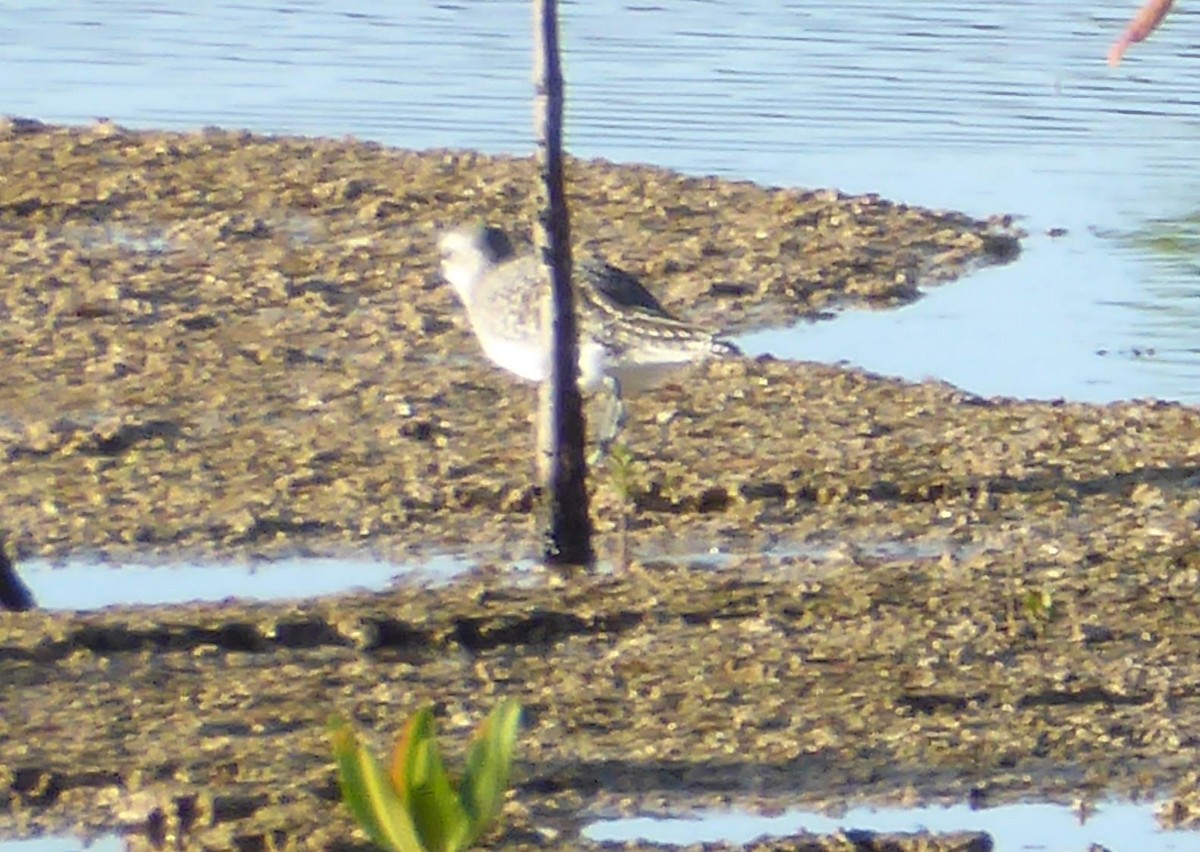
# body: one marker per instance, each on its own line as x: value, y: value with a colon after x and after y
x: 1013, y: 828
x: 1169, y: 315
x: 61, y: 843
x: 974, y: 105
x: 88, y: 584
x: 91, y: 583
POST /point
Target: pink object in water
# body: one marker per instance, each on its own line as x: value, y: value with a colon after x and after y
x: 1144, y: 22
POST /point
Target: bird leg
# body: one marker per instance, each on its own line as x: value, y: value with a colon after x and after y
x: 613, y: 417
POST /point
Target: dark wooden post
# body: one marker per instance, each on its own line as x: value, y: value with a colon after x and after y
x: 14, y: 594
x: 562, y: 470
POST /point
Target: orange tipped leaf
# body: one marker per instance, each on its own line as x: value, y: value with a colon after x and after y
x: 369, y: 795
x: 422, y: 783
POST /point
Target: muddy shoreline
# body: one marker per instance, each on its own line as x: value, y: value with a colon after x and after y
x: 229, y: 343
x: 221, y: 344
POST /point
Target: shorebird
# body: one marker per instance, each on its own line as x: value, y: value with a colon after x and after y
x: 627, y: 339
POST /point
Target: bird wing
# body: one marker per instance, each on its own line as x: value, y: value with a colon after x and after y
x: 619, y: 287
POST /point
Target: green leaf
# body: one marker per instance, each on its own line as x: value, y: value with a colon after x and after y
x: 420, y: 778
x: 1039, y: 604
x: 488, y: 763
x: 369, y: 795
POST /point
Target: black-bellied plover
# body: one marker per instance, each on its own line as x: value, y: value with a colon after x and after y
x: 627, y: 340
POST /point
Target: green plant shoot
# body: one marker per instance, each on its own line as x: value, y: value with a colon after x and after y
x: 414, y: 806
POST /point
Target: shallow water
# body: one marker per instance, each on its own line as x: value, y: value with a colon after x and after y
x: 80, y: 584
x: 1014, y: 828
x: 978, y: 106
x: 59, y: 843
x: 86, y: 583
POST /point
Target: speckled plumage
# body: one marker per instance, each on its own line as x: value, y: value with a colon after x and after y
x: 624, y: 333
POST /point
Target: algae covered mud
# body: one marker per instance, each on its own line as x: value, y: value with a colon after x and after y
x: 226, y: 343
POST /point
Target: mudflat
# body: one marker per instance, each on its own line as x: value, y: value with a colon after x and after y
x: 221, y: 344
